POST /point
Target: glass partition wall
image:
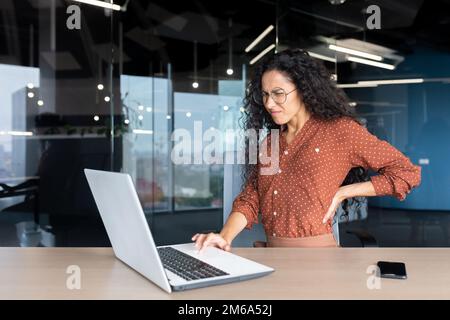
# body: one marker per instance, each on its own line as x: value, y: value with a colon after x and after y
x: 57, y: 118
x: 182, y: 80
x: 90, y: 87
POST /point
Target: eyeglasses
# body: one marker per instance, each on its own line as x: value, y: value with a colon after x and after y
x: 279, y: 96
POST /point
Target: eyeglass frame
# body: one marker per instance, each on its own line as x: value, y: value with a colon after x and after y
x: 264, y: 100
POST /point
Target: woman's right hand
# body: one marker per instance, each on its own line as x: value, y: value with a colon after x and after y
x: 211, y: 239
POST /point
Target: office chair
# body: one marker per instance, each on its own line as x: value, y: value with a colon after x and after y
x: 28, y: 188
x: 366, y: 239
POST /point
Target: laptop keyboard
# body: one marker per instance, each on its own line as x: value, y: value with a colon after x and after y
x: 186, y: 266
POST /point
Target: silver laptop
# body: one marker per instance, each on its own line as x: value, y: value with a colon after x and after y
x: 173, y: 268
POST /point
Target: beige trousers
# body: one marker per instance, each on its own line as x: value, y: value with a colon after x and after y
x: 321, y: 241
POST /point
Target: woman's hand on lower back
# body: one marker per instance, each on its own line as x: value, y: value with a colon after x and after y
x: 337, y: 199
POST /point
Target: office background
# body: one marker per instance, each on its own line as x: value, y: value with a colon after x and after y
x: 109, y: 94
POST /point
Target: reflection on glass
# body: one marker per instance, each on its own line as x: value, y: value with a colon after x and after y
x: 146, y: 143
x: 18, y: 108
x: 200, y: 185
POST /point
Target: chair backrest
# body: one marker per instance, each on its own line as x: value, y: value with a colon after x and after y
x: 355, y: 211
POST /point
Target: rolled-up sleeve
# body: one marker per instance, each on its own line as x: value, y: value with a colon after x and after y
x: 397, y: 175
x: 247, y: 203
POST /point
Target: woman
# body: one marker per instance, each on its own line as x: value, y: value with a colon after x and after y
x: 324, y: 157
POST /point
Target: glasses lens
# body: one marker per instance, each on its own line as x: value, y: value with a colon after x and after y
x: 279, y: 96
x: 261, y: 98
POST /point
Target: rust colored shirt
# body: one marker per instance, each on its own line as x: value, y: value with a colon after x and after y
x: 312, y: 167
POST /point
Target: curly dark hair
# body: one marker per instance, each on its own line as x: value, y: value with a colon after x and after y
x: 321, y: 97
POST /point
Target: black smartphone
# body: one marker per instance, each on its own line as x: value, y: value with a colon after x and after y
x: 392, y: 270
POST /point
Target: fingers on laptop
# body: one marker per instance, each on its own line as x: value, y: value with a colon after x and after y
x: 199, y: 239
x: 210, y: 239
x: 225, y: 247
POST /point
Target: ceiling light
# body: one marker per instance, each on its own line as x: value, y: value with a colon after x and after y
x: 259, y: 56
x: 30, y: 94
x: 230, y: 49
x: 40, y: 103
x: 30, y: 85
x: 107, y: 99
x: 371, y: 63
x: 355, y: 85
x: 259, y: 38
x: 100, y: 86
x: 356, y: 52
x: 20, y: 133
x: 322, y: 57
x: 96, y: 118
x: 393, y: 81
x: 195, y: 83
x: 336, y: 2
x: 102, y: 4
x: 141, y: 131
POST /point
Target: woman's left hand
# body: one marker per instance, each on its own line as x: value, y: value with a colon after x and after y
x: 337, y: 199
x: 359, y: 189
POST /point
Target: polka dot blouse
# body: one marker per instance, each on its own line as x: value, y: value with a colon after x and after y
x: 311, y: 168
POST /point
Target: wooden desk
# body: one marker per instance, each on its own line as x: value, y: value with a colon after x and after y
x: 336, y: 273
